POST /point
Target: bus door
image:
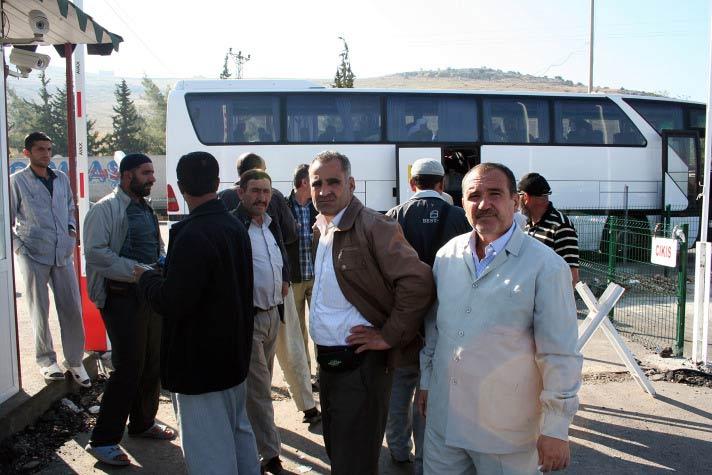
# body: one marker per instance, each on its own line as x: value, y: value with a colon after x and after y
x: 681, y: 170
x: 405, y: 156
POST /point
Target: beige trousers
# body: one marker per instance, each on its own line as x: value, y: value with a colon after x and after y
x: 439, y: 458
x: 292, y: 357
x: 259, y: 383
x: 302, y: 298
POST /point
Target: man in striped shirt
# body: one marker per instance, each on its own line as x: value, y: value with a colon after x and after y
x: 546, y: 223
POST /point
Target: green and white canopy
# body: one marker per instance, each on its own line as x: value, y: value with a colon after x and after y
x: 67, y: 24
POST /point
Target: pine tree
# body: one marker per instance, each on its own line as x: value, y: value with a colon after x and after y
x: 344, y: 76
x: 127, y: 124
x: 155, y: 132
x: 225, y: 74
x: 58, y: 122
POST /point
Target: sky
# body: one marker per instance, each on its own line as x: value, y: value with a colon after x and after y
x: 651, y: 45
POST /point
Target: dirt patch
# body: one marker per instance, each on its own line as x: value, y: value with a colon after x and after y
x: 609, y: 377
x: 690, y: 377
x: 33, y: 448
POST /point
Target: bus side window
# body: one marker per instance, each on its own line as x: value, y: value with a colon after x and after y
x: 516, y: 120
x: 593, y: 122
x: 433, y: 118
x: 333, y: 118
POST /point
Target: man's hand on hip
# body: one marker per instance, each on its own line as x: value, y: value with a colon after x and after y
x: 421, y: 400
x: 554, y: 454
x: 367, y: 338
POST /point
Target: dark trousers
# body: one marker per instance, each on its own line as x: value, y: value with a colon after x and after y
x: 354, y: 408
x: 133, y: 388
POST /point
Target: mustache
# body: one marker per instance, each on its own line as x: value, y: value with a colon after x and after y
x: 486, y: 214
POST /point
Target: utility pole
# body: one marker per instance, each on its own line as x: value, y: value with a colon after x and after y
x: 590, y: 54
x: 240, y: 61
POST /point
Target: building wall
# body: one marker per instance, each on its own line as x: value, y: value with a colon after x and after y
x: 104, y: 176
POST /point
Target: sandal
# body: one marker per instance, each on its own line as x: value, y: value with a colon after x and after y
x: 157, y: 431
x: 109, y: 454
x: 79, y: 374
x: 52, y: 372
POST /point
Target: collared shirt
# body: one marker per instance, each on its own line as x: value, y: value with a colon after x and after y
x: 141, y: 243
x: 331, y: 316
x: 267, y: 265
x: 304, y: 232
x: 491, y: 250
x: 556, y: 231
x: 47, y: 181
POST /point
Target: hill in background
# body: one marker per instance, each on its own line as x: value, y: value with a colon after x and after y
x: 100, y: 86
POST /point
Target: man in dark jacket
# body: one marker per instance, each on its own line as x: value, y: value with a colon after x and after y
x: 205, y: 298
x: 271, y: 285
x: 428, y: 222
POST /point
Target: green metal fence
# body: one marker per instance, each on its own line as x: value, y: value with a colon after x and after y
x: 617, y: 249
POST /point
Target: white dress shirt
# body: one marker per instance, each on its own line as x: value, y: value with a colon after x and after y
x: 331, y: 316
x: 267, y: 265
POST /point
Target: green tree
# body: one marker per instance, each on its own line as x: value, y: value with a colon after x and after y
x: 225, y: 74
x: 57, y: 127
x: 21, y: 115
x: 127, y: 124
x: 344, y: 76
x: 155, y: 132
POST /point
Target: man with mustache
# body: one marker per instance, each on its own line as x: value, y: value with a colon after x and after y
x: 271, y: 284
x: 370, y: 294
x: 121, y: 231
x: 546, y: 223
x: 500, y: 370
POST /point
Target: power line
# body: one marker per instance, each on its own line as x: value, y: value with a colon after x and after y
x: 138, y: 37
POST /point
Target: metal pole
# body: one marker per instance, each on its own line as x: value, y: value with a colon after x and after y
x: 702, y: 271
x: 590, y: 54
x: 72, y: 147
x: 625, y: 224
x: 612, y: 250
x: 708, y: 150
x: 681, y: 293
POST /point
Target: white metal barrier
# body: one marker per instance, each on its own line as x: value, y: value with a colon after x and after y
x: 598, y: 317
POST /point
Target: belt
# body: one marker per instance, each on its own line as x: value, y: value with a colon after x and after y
x: 258, y: 309
x: 115, y: 286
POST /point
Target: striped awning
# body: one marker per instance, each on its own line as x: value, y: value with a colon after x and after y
x: 67, y: 24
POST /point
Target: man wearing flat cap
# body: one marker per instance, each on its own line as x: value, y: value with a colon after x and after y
x: 120, y: 232
x: 428, y: 223
x: 547, y: 224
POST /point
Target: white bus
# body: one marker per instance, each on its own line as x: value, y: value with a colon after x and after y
x: 599, y: 152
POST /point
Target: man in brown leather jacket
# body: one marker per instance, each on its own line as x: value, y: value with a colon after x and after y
x: 371, y: 292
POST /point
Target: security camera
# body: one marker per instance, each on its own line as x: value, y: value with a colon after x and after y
x: 39, y: 23
x: 26, y: 61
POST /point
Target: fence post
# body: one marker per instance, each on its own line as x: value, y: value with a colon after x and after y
x: 612, y: 245
x: 681, y: 294
x: 666, y: 217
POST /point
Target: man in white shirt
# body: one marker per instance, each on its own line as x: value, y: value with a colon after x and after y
x: 499, y: 371
x: 271, y: 283
x: 370, y: 294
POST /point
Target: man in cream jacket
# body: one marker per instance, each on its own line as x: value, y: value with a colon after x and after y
x: 500, y: 371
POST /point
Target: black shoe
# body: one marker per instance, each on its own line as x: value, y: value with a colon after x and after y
x: 312, y: 416
x: 274, y: 466
x: 315, y: 384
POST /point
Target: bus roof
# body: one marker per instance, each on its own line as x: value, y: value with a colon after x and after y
x: 297, y: 85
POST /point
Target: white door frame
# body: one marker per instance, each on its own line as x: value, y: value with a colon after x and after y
x: 9, y: 362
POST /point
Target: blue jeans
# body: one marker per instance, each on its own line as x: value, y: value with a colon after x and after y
x: 216, y: 435
x: 404, y: 418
